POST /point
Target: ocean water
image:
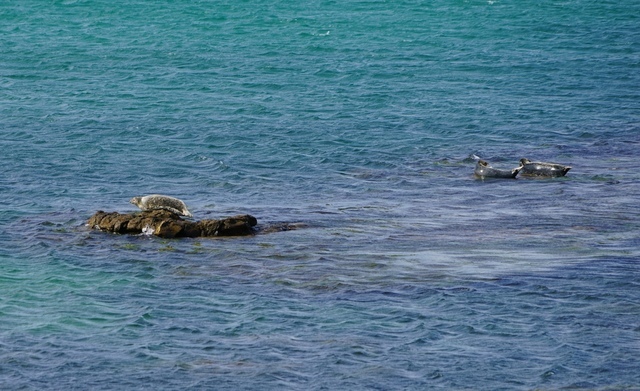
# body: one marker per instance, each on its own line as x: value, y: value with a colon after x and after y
x: 357, y: 121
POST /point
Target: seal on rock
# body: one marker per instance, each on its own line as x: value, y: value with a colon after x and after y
x: 157, y: 201
x: 484, y: 170
x: 542, y: 169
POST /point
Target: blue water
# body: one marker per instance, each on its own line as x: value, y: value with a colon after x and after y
x: 358, y: 122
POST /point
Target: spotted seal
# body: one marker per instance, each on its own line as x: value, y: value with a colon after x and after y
x: 157, y: 201
x: 542, y: 169
x: 484, y: 170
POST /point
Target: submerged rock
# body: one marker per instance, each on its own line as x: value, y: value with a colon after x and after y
x: 166, y: 224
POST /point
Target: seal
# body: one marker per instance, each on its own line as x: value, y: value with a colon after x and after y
x: 542, y: 169
x: 157, y: 201
x: 484, y: 170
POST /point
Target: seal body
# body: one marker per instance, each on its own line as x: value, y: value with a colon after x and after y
x: 158, y: 201
x: 542, y: 169
x: 484, y: 170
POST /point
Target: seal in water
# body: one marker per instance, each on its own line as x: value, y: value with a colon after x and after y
x: 484, y: 170
x: 529, y: 168
x: 157, y: 201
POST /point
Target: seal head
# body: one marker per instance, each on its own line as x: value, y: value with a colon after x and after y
x: 158, y: 201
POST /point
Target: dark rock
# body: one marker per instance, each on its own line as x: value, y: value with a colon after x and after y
x: 166, y: 224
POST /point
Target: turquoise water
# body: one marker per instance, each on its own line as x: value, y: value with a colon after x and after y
x: 358, y: 121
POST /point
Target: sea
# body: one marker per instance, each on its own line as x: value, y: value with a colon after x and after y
x: 355, y: 127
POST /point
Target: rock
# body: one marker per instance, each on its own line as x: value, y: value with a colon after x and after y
x: 280, y: 227
x: 166, y: 224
